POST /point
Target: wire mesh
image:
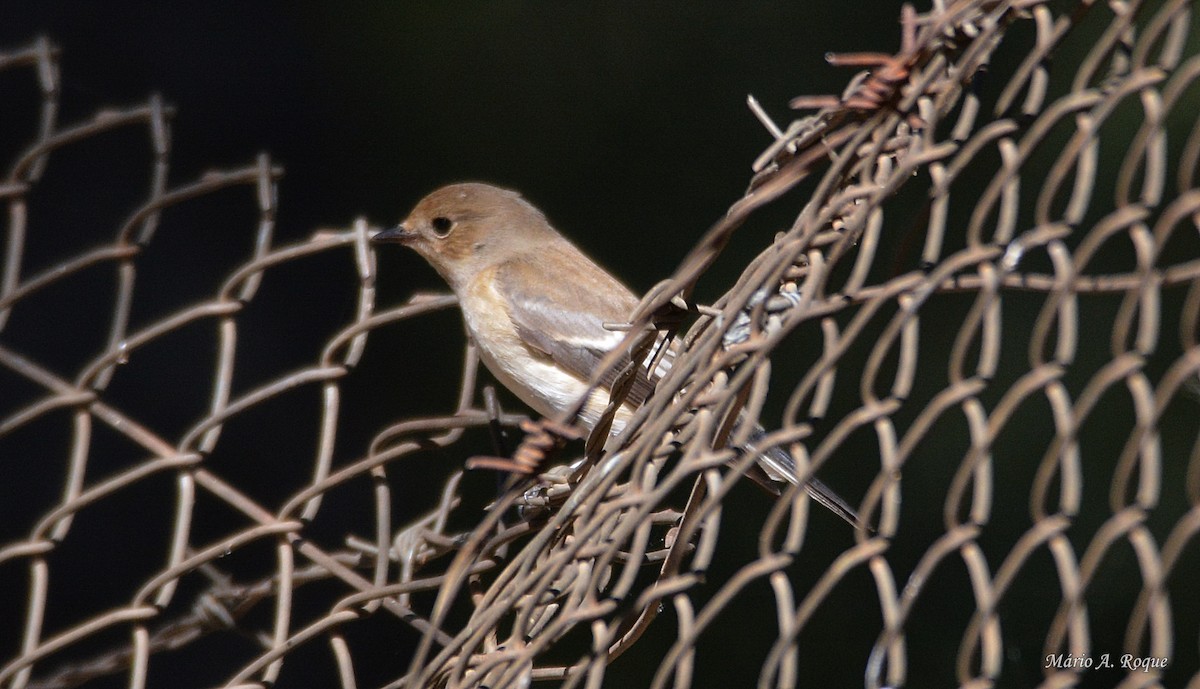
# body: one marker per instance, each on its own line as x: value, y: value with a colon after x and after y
x: 983, y: 321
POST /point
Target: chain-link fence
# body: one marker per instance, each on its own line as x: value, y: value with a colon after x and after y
x: 981, y: 327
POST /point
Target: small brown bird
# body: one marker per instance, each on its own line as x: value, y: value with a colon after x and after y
x: 536, y: 306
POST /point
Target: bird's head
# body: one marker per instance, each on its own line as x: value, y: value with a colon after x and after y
x: 462, y: 229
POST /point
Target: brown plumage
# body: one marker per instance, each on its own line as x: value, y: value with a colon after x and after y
x: 513, y: 273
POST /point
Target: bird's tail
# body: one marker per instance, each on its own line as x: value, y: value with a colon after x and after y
x: 780, y: 466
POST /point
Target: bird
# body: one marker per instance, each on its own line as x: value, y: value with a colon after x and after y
x: 536, y: 307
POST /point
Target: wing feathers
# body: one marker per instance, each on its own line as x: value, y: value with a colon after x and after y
x: 559, y: 302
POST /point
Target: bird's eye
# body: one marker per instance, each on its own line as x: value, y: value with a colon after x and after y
x: 441, y: 225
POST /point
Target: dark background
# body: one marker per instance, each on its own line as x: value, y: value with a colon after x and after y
x: 626, y: 123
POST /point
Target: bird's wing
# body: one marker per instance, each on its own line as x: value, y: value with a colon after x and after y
x: 559, y: 308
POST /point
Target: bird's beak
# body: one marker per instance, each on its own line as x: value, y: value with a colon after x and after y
x: 396, y: 235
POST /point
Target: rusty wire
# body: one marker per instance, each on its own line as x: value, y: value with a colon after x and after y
x: 1077, y: 275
